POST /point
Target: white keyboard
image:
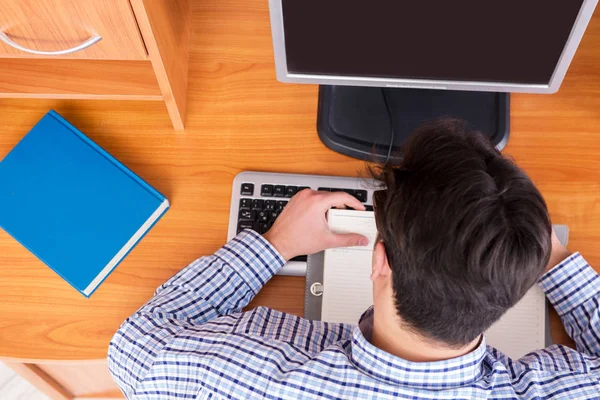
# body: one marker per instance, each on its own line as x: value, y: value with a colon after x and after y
x: 257, y: 199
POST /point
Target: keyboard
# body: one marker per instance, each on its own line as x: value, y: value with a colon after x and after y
x: 258, y: 198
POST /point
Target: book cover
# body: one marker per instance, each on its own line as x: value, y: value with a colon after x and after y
x: 73, y: 205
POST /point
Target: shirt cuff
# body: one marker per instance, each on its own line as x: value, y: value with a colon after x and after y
x: 570, y: 284
x: 252, y: 257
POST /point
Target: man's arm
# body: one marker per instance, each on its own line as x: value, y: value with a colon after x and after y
x: 573, y: 288
x: 223, y: 283
x: 209, y: 287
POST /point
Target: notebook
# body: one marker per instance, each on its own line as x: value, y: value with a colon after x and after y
x: 347, y: 290
x: 73, y: 205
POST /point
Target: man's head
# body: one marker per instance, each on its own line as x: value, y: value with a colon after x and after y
x: 464, y: 234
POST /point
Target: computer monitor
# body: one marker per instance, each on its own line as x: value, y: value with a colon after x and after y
x: 429, y: 51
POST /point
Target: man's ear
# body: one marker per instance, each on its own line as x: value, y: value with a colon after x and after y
x: 381, y: 266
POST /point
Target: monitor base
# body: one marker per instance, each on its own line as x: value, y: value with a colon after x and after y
x: 354, y: 120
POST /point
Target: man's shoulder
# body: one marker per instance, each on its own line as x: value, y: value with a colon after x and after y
x: 547, y: 373
x: 305, y: 335
x: 550, y: 361
x: 263, y: 330
x: 261, y: 346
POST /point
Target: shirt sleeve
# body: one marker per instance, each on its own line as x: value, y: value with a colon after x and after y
x: 209, y: 287
x: 573, y: 288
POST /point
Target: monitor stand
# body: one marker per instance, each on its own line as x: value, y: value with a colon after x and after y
x: 354, y: 120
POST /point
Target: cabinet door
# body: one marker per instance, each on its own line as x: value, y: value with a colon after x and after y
x: 85, y: 29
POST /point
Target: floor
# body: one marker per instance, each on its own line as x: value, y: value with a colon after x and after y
x: 13, y: 387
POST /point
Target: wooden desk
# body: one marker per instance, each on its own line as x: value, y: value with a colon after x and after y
x: 240, y: 118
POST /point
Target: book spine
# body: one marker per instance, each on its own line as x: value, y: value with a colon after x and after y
x: 106, y: 155
x: 126, y: 249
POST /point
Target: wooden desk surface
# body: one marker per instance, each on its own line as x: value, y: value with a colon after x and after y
x: 240, y: 118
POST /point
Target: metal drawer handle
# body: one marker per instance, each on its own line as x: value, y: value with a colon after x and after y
x: 94, y: 39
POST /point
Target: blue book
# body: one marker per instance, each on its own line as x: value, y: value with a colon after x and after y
x: 72, y: 204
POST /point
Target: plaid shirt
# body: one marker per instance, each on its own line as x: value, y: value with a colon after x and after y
x: 192, y: 341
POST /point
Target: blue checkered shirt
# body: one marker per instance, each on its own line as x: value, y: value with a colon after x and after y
x: 192, y: 341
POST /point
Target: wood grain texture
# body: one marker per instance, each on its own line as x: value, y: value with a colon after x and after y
x: 241, y: 118
x: 165, y: 26
x: 78, y: 79
x: 42, y: 381
x: 51, y: 25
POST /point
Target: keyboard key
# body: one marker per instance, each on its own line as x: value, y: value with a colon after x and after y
x: 369, y: 208
x: 247, y: 215
x: 244, y: 225
x: 263, y: 216
x: 279, y: 191
x: 324, y: 189
x: 349, y: 191
x: 361, y: 195
x: 257, y: 204
x: 269, y: 205
x: 301, y: 188
x: 263, y: 227
x: 290, y: 191
x: 299, y: 258
x: 266, y: 190
x: 336, y: 190
x: 273, y: 216
x: 247, y: 189
x: 245, y: 204
x: 280, y: 205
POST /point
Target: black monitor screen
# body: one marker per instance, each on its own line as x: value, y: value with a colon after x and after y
x: 513, y: 41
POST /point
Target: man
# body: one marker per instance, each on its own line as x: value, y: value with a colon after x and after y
x: 463, y: 235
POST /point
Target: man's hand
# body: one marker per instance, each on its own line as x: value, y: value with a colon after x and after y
x: 302, y: 226
x: 559, y: 252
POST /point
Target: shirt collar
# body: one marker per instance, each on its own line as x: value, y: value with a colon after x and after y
x: 388, y: 368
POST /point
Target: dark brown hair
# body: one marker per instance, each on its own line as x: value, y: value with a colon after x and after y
x: 466, y: 232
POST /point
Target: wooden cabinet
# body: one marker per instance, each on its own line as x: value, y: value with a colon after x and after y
x: 96, y: 49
